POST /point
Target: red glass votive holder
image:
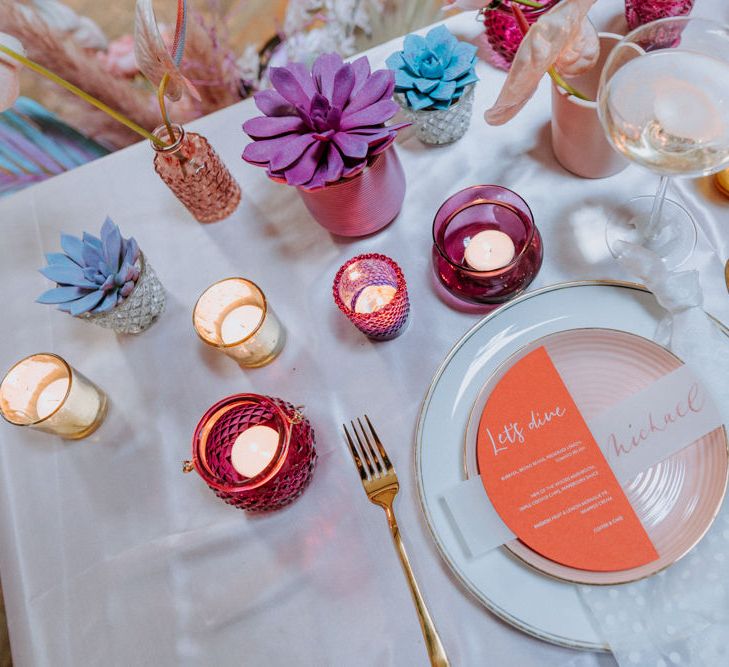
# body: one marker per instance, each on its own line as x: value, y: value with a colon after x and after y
x: 231, y: 451
x: 371, y: 291
x: 469, y: 212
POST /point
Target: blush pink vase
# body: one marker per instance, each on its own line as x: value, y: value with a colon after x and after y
x: 578, y: 138
x: 197, y: 176
x: 640, y: 12
x: 363, y: 204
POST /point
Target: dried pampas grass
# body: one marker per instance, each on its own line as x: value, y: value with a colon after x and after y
x: 208, y: 63
x: 54, y: 51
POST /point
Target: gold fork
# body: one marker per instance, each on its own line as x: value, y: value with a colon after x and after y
x: 381, y: 486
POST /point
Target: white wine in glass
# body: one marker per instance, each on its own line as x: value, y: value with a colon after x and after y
x: 664, y: 104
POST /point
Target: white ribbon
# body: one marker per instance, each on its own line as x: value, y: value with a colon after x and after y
x: 687, y: 329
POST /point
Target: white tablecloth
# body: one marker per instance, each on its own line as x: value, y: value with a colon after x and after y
x: 110, y: 555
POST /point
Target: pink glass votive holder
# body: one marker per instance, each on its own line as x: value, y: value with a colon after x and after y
x: 640, y: 12
x: 371, y: 291
x: 473, y: 210
x: 231, y: 439
x: 503, y: 32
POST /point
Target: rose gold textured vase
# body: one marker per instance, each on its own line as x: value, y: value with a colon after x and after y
x: 193, y: 171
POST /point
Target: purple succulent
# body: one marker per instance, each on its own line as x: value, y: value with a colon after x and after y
x: 92, y: 274
x: 323, y: 125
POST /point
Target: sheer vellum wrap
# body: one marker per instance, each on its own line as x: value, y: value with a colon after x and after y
x: 686, y: 329
x: 681, y: 615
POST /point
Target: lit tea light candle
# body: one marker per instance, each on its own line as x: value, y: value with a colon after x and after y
x: 51, y: 397
x: 374, y: 298
x: 371, y: 291
x: 489, y: 250
x: 253, y: 450
x: 240, y: 323
x: 233, y: 316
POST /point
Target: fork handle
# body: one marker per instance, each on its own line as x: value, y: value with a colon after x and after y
x: 436, y: 652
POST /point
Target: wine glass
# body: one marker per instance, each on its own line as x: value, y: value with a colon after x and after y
x: 664, y: 104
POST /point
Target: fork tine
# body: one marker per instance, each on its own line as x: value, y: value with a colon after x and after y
x: 355, y: 455
x: 373, y: 455
x: 378, y: 442
x: 365, y: 454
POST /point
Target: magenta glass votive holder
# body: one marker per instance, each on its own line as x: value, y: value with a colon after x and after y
x: 280, y: 473
x: 371, y: 291
x: 473, y: 210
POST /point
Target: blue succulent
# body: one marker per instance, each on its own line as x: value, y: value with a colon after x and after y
x: 92, y: 274
x: 432, y: 71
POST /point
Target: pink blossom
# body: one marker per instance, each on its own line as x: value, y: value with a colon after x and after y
x: 119, y: 58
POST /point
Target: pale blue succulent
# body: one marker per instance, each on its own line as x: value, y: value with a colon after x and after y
x: 92, y: 274
x: 433, y: 71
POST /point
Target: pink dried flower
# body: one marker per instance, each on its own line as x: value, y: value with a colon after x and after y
x: 119, y: 59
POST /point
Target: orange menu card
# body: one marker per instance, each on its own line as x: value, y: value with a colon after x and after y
x: 548, y: 479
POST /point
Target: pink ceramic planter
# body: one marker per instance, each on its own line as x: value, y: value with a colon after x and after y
x: 578, y: 138
x: 361, y: 205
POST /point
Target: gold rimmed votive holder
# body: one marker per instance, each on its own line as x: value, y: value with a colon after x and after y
x: 44, y: 392
x: 234, y: 316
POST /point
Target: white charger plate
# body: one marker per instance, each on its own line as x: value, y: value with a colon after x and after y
x: 540, y: 606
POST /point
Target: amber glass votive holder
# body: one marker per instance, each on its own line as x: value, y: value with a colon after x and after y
x: 473, y: 210
x: 234, y: 316
x: 289, y: 464
x: 43, y: 392
x: 371, y: 291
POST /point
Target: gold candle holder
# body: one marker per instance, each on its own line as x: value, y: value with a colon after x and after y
x: 43, y: 392
x: 722, y: 182
x: 233, y: 316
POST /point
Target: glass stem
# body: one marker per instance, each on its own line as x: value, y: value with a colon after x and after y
x: 654, y: 223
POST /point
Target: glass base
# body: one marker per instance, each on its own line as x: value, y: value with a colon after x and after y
x: 98, y: 420
x: 674, y: 241
x: 260, y: 360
